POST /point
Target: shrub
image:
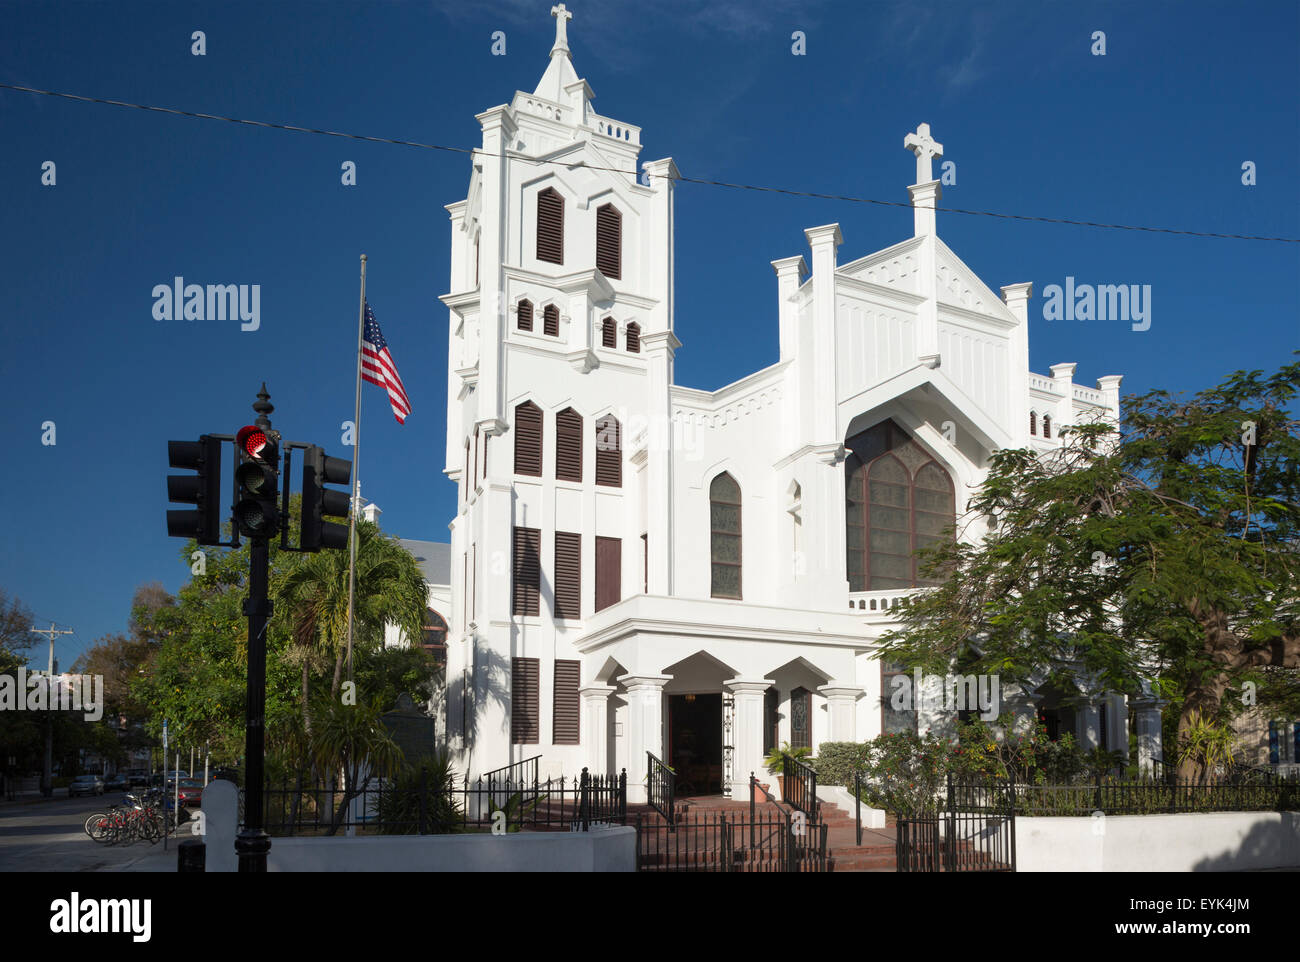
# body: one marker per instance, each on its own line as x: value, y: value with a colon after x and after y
x: 837, y: 761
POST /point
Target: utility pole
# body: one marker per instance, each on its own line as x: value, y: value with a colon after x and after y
x: 47, y: 777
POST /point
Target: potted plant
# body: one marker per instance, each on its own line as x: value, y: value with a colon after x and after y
x: 775, y: 762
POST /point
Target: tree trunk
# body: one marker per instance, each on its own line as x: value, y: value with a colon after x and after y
x: 338, y: 675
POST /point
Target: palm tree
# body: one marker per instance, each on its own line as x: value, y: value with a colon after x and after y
x: 389, y: 589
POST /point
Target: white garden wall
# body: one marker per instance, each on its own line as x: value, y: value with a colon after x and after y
x: 1215, y: 842
x: 599, y: 850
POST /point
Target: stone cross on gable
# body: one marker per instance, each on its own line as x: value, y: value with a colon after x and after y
x: 925, y: 147
x: 562, y: 17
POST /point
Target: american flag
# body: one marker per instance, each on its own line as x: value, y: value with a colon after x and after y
x: 377, y: 367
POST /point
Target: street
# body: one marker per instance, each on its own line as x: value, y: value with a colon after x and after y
x: 49, y: 836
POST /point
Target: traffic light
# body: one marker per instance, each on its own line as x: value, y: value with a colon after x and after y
x: 318, y: 470
x: 258, y: 476
x: 203, y: 490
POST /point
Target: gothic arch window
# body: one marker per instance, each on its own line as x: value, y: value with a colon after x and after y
x: 1033, y: 423
x: 551, y: 321
x: 568, y: 445
x: 724, y: 537
x: 550, y: 226
x: 433, y: 634
x: 898, y: 500
x: 609, y: 241
x: 525, y: 321
x: 528, y: 439
x: 1047, y: 426
x: 634, y: 338
x: 801, y: 718
x: 609, y: 452
x: 608, y: 333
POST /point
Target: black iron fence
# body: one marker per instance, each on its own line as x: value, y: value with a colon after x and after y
x: 974, y: 831
x: 661, y: 787
x: 1161, y: 795
x: 412, y: 806
x: 721, y: 841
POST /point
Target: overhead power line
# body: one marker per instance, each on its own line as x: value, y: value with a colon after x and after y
x: 689, y: 180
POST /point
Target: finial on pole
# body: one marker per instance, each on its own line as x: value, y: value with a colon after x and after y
x: 263, y: 407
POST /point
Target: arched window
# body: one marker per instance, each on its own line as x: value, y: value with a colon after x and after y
x: 1047, y: 426
x: 609, y: 241
x: 609, y: 452
x: 608, y: 333
x: 568, y: 445
x: 433, y: 635
x: 634, y: 338
x: 528, y: 439
x: 551, y: 321
x: 525, y: 322
x: 550, y: 226
x: 1033, y: 423
x: 898, y: 500
x: 724, y: 536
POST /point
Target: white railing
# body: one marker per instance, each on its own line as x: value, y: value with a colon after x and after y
x: 1089, y: 395
x: 616, y: 129
x: 1039, y: 383
x: 881, y: 604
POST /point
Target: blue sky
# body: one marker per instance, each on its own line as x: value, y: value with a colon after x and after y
x: 1154, y: 133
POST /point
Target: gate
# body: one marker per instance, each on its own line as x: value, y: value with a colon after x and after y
x: 974, y: 832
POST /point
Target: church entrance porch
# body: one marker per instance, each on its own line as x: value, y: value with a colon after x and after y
x: 695, y: 749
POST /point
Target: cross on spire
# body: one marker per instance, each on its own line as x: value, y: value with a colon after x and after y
x: 562, y: 17
x: 925, y: 147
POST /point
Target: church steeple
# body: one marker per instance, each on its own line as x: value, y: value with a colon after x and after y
x: 560, y: 83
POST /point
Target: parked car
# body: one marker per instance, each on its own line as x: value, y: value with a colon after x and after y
x: 117, y: 783
x: 86, y: 785
x: 138, y: 778
x: 191, y: 792
x: 227, y: 774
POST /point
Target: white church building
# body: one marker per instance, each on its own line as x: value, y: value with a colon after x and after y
x: 643, y: 567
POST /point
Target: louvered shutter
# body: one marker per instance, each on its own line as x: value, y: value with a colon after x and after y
x: 524, y: 701
x: 551, y: 321
x: 567, y: 681
x: 634, y: 338
x: 609, y: 241
x: 525, y: 322
x: 608, y: 333
x: 528, y: 439
x: 550, y: 226
x: 568, y: 574
x: 526, y: 571
x: 568, y: 445
x: 609, y: 452
x: 609, y: 572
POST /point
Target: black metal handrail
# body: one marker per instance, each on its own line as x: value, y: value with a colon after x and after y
x: 800, y: 788
x: 661, y: 787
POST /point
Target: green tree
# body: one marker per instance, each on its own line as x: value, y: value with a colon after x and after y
x: 1167, y: 551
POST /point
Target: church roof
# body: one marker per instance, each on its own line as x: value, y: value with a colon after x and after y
x: 434, y: 558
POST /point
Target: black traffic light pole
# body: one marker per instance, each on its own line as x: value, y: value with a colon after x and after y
x: 259, y: 511
x: 253, y: 843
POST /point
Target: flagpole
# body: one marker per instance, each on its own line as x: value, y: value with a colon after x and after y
x: 356, y: 469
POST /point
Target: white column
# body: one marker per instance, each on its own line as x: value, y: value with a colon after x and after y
x: 1090, y: 726
x: 645, y: 728
x: 1063, y: 378
x: 821, y: 421
x: 925, y: 197
x: 498, y: 133
x: 842, y: 706
x: 747, y: 735
x: 1016, y: 298
x: 1147, y: 721
x: 659, y: 348
x: 595, y: 728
